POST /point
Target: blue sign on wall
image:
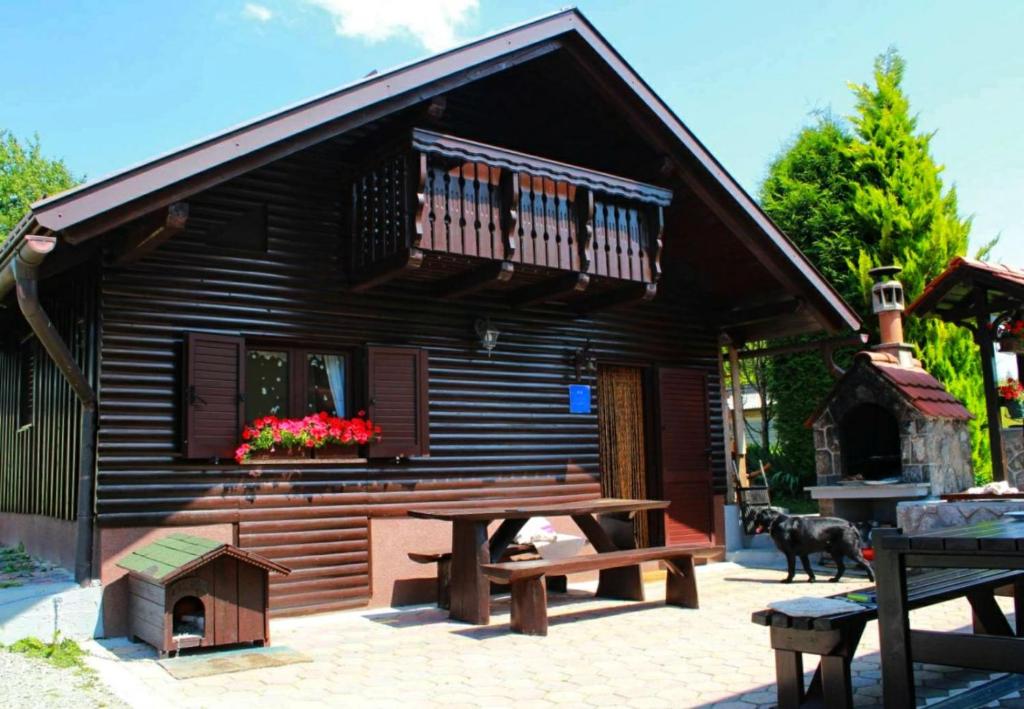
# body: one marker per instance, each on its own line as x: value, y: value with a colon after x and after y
x: 579, y: 399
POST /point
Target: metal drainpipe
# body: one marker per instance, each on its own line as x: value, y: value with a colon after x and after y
x: 24, y: 271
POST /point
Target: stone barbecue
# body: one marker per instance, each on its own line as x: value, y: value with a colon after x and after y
x: 888, y: 431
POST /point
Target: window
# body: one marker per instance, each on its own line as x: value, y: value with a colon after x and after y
x: 227, y: 382
x: 26, y: 382
x: 295, y: 382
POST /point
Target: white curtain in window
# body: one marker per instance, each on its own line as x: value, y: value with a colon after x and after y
x: 335, y: 366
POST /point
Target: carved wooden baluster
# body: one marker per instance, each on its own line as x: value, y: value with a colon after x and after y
x: 480, y: 186
x: 510, y: 213
x: 447, y: 184
x: 620, y: 248
x: 549, y: 255
x: 420, y: 231
x: 469, y: 207
x: 494, y: 248
x: 632, y: 255
x: 585, y: 228
x: 439, y: 200
x: 526, y: 227
x: 600, y: 237
x: 657, y: 230
x: 562, y: 225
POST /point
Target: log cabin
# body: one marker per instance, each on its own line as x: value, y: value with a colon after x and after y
x: 512, y: 254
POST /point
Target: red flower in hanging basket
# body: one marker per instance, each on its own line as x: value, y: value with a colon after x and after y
x: 1011, y: 391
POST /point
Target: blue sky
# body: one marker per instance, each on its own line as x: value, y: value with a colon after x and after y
x: 110, y: 84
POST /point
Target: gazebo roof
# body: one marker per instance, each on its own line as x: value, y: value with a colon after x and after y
x: 950, y: 295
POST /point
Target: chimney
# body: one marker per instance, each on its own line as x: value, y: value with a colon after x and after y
x: 887, y: 303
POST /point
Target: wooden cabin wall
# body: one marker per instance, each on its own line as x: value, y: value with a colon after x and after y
x: 39, y: 462
x: 499, y: 425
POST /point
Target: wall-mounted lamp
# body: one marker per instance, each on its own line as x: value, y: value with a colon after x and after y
x: 584, y: 360
x: 487, y: 333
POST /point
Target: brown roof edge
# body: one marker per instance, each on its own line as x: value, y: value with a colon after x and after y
x: 959, y: 269
x: 321, y: 117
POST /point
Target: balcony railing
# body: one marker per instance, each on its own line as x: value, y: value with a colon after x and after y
x: 453, y: 196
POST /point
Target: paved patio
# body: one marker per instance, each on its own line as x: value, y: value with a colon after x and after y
x: 598, y: 653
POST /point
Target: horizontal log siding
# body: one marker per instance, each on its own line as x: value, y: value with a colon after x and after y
x: 499, y: 427
x: 39, y: 463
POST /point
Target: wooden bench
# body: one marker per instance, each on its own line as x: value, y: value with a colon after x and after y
x: 443, y: 560
x: 835, y: 637
x: 620, y: 578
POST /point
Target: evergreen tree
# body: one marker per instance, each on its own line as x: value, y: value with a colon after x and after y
x: 25, y: 177
x: 856, y: 198
x: 906, y: 217
x: 807, y: 193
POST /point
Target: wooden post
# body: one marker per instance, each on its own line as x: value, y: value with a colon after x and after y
x: 893, y: 623
x: 730, y: 485
x: 988, y: 369
x: 738, y: 422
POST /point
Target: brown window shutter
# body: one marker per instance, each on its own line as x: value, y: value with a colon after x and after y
x: 214, y: 411
x: 397, y: 379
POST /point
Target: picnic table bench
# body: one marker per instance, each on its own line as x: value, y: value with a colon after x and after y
x: 835, y: 637
x: 529, y: 600
x: 444, y: 570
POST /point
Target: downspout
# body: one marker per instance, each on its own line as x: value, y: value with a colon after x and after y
x: 23, y: 273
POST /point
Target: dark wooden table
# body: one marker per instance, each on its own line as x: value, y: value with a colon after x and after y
x: 987, y: 545
x: 471, y: 546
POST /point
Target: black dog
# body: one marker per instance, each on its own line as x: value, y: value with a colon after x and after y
x: 800, y: 536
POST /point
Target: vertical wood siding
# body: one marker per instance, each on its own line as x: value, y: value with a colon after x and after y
x: 39, y: 463
x: 499, y: 426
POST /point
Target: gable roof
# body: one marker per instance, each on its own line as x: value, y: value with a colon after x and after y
x: 914, y: 384
x: 951, y: 293
x: 178, y: 554
x: 100, y: 205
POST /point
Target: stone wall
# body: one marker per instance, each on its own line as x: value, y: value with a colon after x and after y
x: 914, y: 517
x: 1013, y: 453
x: 938, y: 451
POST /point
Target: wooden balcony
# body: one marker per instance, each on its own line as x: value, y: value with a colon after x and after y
x: 473, y: 216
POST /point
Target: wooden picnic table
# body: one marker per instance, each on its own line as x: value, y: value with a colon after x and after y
x: 997, y: 544
x: 472, y: 547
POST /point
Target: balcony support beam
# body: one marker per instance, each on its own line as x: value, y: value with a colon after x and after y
x: 634, y: 293
x: 462, y: 284
x: 386, y: 270
x: 552, y: 289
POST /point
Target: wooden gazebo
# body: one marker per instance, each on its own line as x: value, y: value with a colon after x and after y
x: 975, y: 294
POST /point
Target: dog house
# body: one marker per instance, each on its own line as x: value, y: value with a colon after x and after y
x: 187, y: 592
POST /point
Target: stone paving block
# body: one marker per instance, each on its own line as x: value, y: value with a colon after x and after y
x: 598, y: 654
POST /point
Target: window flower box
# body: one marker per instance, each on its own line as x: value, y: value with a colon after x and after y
x: 320, y: 435
x: 277, y: 455
x: 337, y: 451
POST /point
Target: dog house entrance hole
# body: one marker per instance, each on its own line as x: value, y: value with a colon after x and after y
x: 870, y: 441
x: 189, y: 617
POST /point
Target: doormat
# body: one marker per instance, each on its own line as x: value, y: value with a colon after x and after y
x: 219, y: 663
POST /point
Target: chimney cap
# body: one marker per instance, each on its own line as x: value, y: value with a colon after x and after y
x: 884, y: 272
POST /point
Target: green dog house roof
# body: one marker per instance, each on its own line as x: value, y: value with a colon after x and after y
x: 176, y: 555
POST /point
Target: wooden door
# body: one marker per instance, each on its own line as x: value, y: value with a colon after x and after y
x: 620, y: 405
x: 685, y: 445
